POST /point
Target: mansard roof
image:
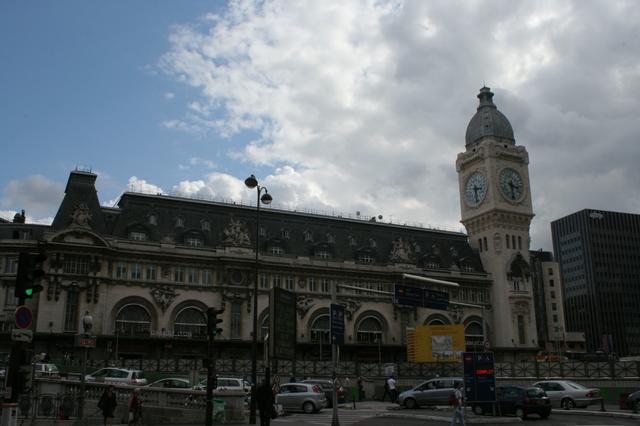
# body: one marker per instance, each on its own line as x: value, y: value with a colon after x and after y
x: 176, y: 220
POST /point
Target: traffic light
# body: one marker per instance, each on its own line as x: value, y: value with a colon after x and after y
x: 30, y: 273
x: 213, y: 321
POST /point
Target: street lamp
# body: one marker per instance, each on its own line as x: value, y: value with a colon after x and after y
x: 251, y: 182
x: 87, y: 325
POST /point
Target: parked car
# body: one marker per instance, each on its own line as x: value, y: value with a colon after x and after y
x: 432, y: 392
x: 517, y: 400
x: 227, y: 383
x: 567, y: 394
x: 41, y: 369
x: 171, y: 383
x: 327, y: 388
x: 305, y: 397
x: 633, y: 400
x: 117, y: 376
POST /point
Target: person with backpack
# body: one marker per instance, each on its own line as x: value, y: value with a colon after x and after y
x: 456, y: 400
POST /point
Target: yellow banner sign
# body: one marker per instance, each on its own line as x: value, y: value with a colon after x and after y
x: 436, y: 343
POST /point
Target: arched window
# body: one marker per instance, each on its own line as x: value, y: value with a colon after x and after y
x: 369, y: 331
x: 473, y: 336
x: 190, y: 322
x: 133, y: 320
x: 319, y: 331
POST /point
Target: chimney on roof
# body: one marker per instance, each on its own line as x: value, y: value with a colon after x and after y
x: 19, y: 217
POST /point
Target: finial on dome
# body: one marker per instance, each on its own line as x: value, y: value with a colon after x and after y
x: 486, y: 97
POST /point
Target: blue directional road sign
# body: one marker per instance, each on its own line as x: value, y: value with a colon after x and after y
x: 420, y: 297
x: 405, y: 295
x: 436, y: 299
x: 337, y: 324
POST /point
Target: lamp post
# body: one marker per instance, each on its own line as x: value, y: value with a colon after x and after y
x: 87, y: 324
x: 251, y: 182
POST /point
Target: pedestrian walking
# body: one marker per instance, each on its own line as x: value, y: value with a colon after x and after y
x: 386, y: 389
x: 393, y: 393
x: 135, y: 408
x: 265, y: 400
x: 457, y: 401
x: 360, y: 388
x: 107, y: 404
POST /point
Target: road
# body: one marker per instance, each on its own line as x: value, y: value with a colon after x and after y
x: 372, y: 417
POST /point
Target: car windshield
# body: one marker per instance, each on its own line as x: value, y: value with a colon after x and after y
x: 535, y: 393
x: 575, y: 385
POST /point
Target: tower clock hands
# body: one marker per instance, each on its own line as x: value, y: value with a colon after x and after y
x: 476, y: 188
x: 513, y: 187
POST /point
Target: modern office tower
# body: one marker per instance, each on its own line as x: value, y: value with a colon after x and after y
x: 599, y: 256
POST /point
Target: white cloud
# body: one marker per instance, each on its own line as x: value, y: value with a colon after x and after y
x: 363, y: 105
x: 37, y: 195
x: 141, y: 185
x: 169, y: 95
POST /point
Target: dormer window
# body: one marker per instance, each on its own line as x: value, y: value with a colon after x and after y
x: 138, y: 236
x: 179, y: 222
x: 194, y: 242
x: 366, y: 258
x: 285, y: 234
x: 152, y: 219
x: 276, y: 250
x: 331, y: 239
x: 353, y: 241
x: 322, y: 253
x: 308, y: 236
x: 205, y: 225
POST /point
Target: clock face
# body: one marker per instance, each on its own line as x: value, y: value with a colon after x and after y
x: 511, y: 184
x: 475, y: 189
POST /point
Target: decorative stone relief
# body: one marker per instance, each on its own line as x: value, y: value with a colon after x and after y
x: 497, y: 242
x: 521, y: 308
x: 236, y: 233
x: 456, y: 313
x: 401, y: 251
x: 163, y: 296
x: 303, y: 305
x: 81, y: 216
x: 238, y: 296
x: 351, y: 306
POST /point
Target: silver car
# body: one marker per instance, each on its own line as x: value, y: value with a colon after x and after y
x: 568, y: 394
x: 117, y: 376
x: 171, y: 383
x: 432, y: 392
x: 305, y: 397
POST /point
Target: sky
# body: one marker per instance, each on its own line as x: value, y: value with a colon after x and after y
x: 336, y: 107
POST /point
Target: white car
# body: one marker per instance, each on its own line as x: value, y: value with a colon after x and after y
x: 117, y: 376
x: 227, y: 383
x: 45, y: 370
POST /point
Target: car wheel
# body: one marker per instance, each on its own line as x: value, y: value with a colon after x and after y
x: 520, y: 413
x: 308, y: 407
x: 568, y: 404
x: 477, y: 409
x: 410, y: 403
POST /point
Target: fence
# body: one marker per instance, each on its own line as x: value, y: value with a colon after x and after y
x: 299, y: 368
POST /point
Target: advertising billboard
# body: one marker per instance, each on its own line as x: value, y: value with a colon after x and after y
x: 437, y: 343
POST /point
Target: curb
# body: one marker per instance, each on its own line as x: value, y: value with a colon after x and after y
x: 616, y: 414
x: 475, y: 420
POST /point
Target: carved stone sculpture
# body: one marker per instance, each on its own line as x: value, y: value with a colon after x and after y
x: 163, y: 296
x: 236, y: 234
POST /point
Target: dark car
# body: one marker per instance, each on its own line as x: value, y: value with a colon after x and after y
x: 327, y: 388
x: 517, y: 400
x: 633, y: 401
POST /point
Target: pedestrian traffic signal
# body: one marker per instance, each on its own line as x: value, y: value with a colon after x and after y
x: 213, y: 321
x: 30, y: 274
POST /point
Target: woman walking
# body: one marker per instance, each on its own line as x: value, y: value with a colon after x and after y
x: 135, y: 408
x: 107, y: 404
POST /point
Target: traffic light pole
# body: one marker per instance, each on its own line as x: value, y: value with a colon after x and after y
x: 211, y: 378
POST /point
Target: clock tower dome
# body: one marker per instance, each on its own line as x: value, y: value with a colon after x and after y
x: 495, y: 203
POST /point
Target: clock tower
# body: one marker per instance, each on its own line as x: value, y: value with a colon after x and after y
x: 495, y: 202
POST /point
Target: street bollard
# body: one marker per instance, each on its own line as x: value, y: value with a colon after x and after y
x: 602, y: 404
